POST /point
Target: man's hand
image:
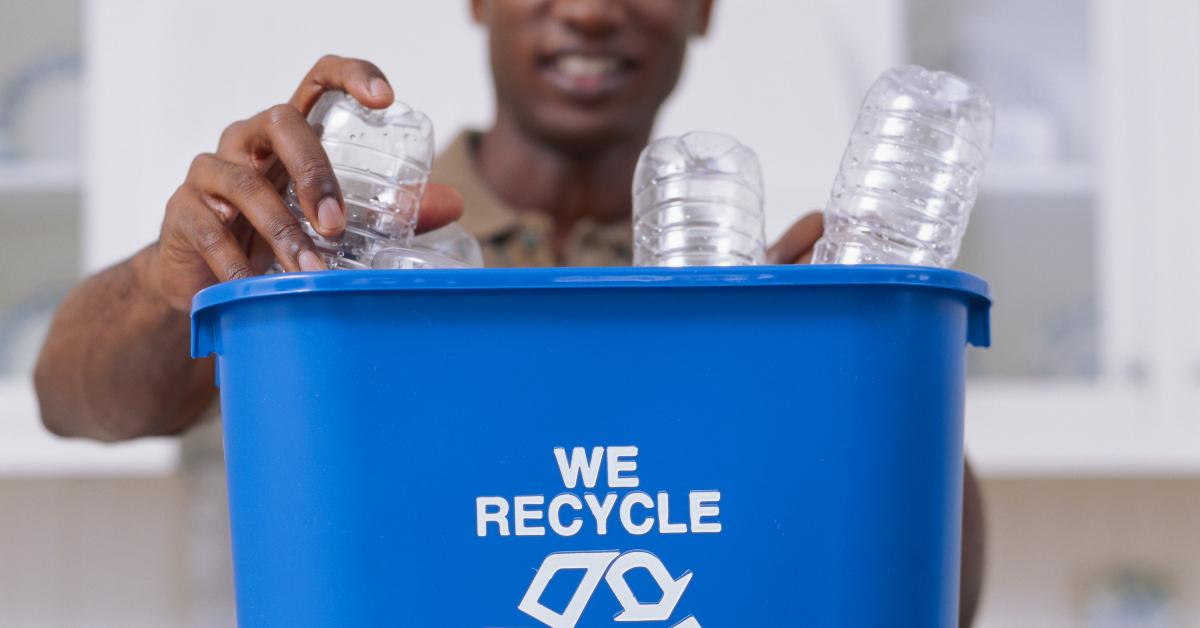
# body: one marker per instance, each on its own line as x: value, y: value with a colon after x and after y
x: 228, y: 220
x: 115, y: 364
x: 796, y: 244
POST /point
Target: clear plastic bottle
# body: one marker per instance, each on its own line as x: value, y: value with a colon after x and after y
x: 698, y: 201
x: 910, y: 173
x: 382, y: 159
x: 447, y: 247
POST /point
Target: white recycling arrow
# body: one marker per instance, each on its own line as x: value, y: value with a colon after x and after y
x: 634, y: 610
x: 593, y: 564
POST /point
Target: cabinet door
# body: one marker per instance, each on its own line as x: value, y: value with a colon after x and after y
x: 42, y: 102
x: 1074, y: 227
x: 1170, y: 107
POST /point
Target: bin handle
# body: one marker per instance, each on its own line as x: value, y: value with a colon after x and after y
x: 204, y: 337
x: 979, y: 322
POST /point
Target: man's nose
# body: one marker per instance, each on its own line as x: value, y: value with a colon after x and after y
x: 590, y: 17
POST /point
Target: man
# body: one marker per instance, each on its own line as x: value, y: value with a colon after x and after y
x: 578, y: 86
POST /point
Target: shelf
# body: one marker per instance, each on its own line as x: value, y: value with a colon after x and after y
x: 41, y: 177
x: 1033, y: 179
x: 28, y: 450
x: 1045, y: 429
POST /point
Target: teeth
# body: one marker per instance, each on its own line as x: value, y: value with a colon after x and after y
x: 587, y: 65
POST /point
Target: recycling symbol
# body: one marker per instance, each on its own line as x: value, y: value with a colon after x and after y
x: 611, y: 566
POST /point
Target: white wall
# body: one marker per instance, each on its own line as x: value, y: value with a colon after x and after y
x: 166, y: 76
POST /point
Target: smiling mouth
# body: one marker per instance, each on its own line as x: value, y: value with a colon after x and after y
x: 587, y: 77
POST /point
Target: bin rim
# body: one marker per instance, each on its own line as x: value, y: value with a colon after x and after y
x: 971, y: 289
x: 489, y: 279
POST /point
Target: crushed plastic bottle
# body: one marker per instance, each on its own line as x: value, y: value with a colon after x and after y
x: 447, y: 247
x: 910, y: 173
x: 698, y: 201
x: 382, y: 159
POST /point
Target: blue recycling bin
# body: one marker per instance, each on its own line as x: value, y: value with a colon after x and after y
x: 758, y: 446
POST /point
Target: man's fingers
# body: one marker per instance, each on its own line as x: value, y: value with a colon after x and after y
x: 440, y: 206
x: 256, y: 199
x: 259, y: 253
x: 361, y: 79
x: 211, y: 237
x: 282, y: 132
x: 299, y: 150
x: 796, y: 244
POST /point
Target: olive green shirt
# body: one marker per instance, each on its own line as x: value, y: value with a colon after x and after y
x: 521, y: 237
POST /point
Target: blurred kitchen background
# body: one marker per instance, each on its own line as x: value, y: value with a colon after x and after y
x: 1083, y: 419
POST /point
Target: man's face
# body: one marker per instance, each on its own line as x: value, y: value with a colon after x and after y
x: 583, y: 73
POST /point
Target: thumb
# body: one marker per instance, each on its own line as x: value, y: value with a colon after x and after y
x: 797, y: 242
x: 440, y: 206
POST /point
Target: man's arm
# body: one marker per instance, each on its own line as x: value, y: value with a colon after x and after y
x: 116, y: 363
x: 970, y: 581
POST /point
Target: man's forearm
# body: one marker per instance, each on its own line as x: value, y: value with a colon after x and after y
x: 973, y: 555
x: 115, y: 364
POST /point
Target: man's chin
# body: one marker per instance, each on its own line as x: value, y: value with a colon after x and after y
x: 574, y: 130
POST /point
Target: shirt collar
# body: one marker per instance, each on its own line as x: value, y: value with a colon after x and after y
x: 485, y: 215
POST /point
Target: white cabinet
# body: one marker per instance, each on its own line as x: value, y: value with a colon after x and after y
x: 41, y: 235
x: 1084, y: 227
